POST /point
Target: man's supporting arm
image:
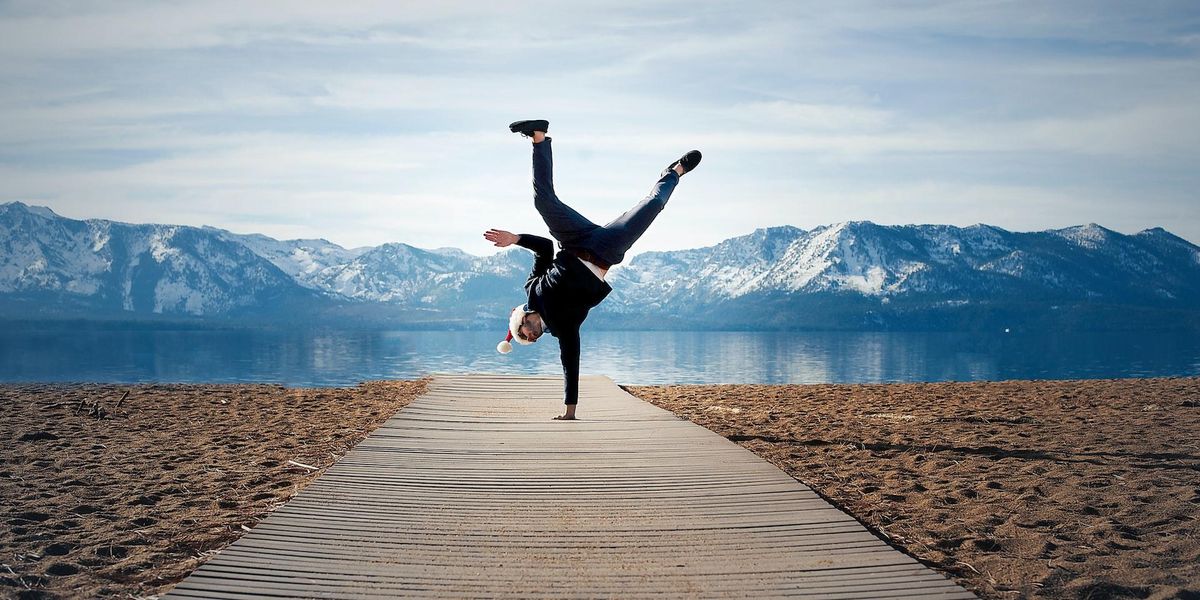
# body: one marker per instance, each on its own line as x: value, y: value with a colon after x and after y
x: 568, y: 347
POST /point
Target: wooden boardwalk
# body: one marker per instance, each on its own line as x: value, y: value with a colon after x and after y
x: 472, y: 492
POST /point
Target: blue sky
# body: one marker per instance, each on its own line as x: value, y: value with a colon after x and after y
x: 370, y: 122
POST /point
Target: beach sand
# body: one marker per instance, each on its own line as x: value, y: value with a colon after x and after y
x: 1021, y: 489
x: 1072, y: 489
x: 128, y: 504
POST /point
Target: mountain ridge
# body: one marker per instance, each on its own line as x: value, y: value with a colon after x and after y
x: 854, y: 274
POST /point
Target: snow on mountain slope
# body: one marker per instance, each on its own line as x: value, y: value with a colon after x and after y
x: 41, y: 251
x: 390, y: 273
x: 309, y: 262
x: 205, y: 271
x: 895, y: 261
x: 726, y: 270
x: 161, y: 269
x: 393, y: 273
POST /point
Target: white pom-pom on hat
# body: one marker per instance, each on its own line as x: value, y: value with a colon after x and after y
x: 504, y: 347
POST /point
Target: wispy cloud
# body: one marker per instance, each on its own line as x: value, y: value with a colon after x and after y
x: 368, y: 122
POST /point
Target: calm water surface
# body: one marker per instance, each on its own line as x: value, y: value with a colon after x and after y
x: 335, y: 358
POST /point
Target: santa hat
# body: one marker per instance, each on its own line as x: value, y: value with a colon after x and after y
x: 514, y: 323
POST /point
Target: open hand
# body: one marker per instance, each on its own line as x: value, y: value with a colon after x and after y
x: 500, y: 238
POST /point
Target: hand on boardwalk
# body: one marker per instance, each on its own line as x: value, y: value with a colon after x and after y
x: 500, y: 238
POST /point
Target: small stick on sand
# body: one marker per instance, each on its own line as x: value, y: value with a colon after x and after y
x: 968, y: 566
x: 123, y: 397
x: 302, y: 465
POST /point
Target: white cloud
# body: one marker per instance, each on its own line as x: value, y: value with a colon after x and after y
x: 379, y: 121
x: 1147, y: 131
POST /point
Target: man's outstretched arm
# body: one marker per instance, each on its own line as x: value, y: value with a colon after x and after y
x: 543, y: 252
x: 543, y: 249
x: 540, y: 245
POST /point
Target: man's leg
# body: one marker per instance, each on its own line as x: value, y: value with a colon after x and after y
x: 566, y: 225
x: 612, y: 241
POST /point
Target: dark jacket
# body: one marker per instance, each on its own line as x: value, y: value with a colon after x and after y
x: 562, y: 290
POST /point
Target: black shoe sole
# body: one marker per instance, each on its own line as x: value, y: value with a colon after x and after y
x: 530, y: 126
x: 689, y: 161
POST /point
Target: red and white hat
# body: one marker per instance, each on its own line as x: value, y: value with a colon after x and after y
x: 514, y: 323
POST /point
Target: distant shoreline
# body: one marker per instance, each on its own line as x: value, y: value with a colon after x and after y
x: 1103, y: 319
x: 316, y: 358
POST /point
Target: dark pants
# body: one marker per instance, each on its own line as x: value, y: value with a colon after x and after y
x: 573, y: 230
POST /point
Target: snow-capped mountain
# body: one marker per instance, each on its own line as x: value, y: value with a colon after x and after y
x: 399, y: 273
x: 308, y: 262
x: 48, y: 262
x: 848, y: 275
x: 52, y: 265
x: 977, y: 262
x: 390, y: 273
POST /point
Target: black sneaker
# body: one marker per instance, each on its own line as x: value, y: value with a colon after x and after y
x: 526, y: 128
x: 689, y: 161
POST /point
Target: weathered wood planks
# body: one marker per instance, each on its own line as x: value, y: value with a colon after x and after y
x: 473, y: 492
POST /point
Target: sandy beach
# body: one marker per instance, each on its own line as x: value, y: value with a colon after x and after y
x: 1046, y: 489
x: 1073, y: 489
x: 111, y: 498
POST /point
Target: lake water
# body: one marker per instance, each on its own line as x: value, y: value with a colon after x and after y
x: 337, y: 358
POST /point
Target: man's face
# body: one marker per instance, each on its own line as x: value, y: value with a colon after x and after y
x: 531, y: 327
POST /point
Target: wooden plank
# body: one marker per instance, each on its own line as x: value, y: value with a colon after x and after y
x: 472, y: 491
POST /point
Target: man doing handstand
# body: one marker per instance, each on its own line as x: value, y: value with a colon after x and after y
x: 562, y: 288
